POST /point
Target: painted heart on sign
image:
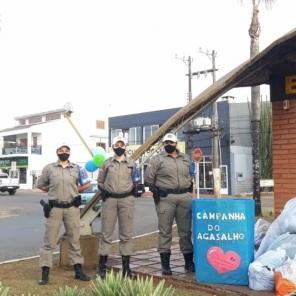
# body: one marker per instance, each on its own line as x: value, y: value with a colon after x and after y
x: 223, y: 262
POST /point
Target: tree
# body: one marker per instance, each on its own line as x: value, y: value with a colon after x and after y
x: 254, y: 33
x: 266, y: 140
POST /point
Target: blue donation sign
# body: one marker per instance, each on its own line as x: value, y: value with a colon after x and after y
x: 223, y: 235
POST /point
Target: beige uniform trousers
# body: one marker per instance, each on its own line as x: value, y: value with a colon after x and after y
x: 178, y: 207
x: 123, y: 209
x: 71, y: 219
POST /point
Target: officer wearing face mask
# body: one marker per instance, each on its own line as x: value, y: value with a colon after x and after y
x: 62, y: 180
x: 116, y: 185
x: 167, y: 176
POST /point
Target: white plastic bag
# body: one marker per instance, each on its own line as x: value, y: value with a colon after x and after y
x: 261, y: 227
x: 287, y: 242
x: 261, y: 271
x: 285, y: 222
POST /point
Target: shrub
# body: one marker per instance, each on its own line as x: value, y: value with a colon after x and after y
x: 3, y: 290
x: 116, y: 285
x: 68, y: 291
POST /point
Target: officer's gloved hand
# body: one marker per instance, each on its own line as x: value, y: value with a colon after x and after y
x: 138, y: 189
x: 77, y: 201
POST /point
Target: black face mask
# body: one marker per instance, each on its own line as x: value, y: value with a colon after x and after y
x: 119, y: 151
x: 63, y: 156
x: 169, y: 148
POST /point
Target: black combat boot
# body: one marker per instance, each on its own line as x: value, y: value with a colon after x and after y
x: 165, y: 263
x: 126, y: 271
x: 189, y: 265
x: 79, y: 274
x: 102, y: 267
x: 44, y: 276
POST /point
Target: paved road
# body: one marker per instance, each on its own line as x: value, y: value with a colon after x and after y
x: 22, y: 223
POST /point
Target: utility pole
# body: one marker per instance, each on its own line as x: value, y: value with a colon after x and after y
x: 215, y: 128
x: 188, y: 63
x: 216, y: 154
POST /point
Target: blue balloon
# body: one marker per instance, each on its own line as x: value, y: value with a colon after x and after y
x: 90, y: 166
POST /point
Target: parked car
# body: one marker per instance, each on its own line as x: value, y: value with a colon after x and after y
x: 88, y: 194
x: 9, y: 182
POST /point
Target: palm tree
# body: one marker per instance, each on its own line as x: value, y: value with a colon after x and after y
x: 266, y: 140
x: 254, y: 33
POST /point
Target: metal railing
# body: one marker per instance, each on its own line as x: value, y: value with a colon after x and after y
x: 22, y: 150
x: 15, y: 150
x: 36, y: 149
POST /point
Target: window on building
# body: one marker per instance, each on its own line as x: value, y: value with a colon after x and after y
x: 100, y: 124
x: 52, y: 116
x: 115, y: 133
x: 149, y: 130
x: 23, y: 142
x: 206, y: 179
x: 22, y: 121
x: 100, y: 144
x: 23, y: 175
x: 34, y: 141
x: 135, y: 135
x: 35, y: 119
x: 9, y: 141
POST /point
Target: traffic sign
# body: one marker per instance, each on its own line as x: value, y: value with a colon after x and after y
x: 196, y: 154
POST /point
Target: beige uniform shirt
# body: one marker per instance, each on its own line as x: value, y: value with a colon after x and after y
x: 165, y: 171
x: 62, y: 182
x: 115, y: 176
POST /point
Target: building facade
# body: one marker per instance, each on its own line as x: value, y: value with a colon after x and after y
x: 235, y: 141
x: 32, y: 143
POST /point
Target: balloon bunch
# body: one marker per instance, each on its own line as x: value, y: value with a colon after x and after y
x: 99, y: 156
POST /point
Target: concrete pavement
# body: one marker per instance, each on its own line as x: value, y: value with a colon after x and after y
x: 147, y: 263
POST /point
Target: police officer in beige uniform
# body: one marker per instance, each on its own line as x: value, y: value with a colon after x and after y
x: 167, y: 176
x: 116, y: 184
x: 62, y: 182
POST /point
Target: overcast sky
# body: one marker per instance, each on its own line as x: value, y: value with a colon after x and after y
x: 118, y: 57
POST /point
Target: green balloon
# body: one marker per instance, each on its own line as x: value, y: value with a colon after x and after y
x: 99, y: 159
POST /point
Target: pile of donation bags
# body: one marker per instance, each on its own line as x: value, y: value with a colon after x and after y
x: 274, y: 266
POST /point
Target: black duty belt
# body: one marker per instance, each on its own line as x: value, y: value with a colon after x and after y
x: 60, y: 204
x: 175, y: 191
x: 53, y: 203
x: 121, y: 195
